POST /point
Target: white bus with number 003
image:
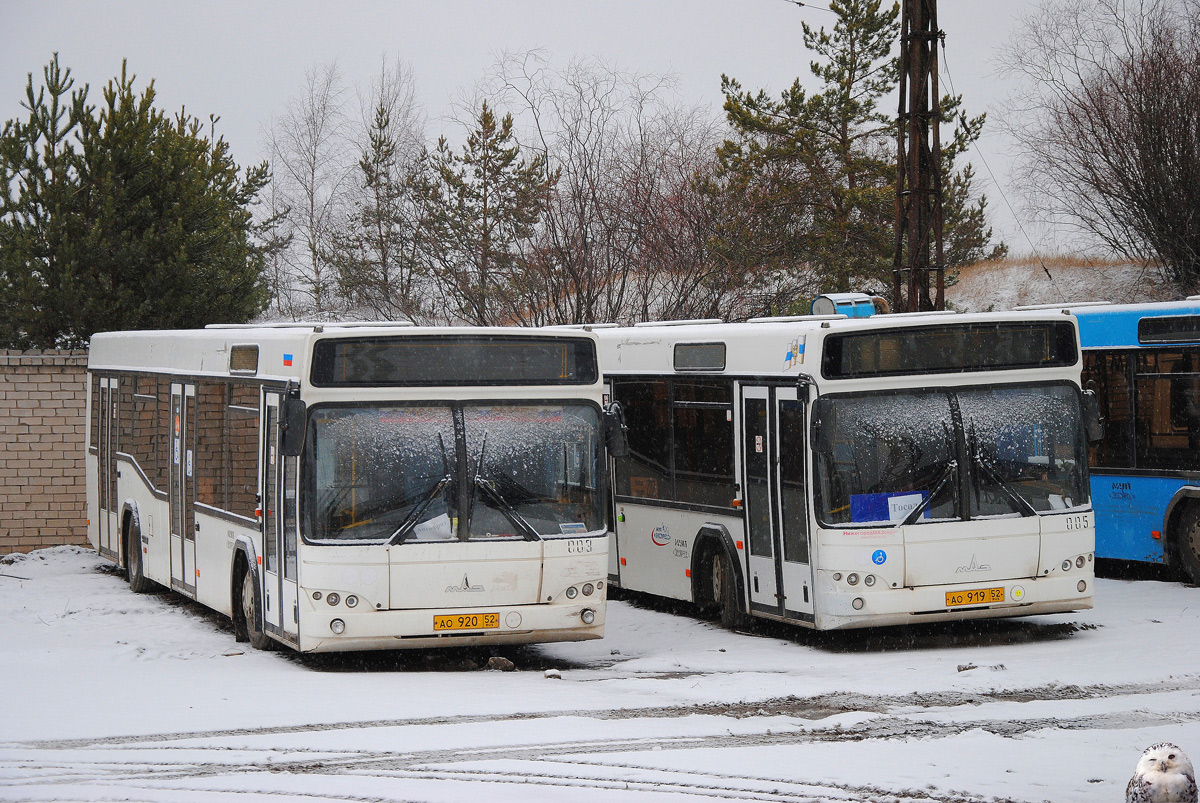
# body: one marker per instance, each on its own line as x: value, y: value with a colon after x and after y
x: 839, y: 473
x: 345, y: 487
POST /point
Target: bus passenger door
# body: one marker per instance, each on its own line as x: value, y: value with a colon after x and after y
x: 278, y: 494
x: 108, y: 524
x: 106, y: 420
x: 758, y: 499
x: 182, y: 488
x: 795, y: 570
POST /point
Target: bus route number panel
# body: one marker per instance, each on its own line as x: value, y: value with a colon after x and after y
x: 466, y: 621
x: 978, y: 596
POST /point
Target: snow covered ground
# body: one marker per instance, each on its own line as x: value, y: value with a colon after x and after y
x: 109, y: 695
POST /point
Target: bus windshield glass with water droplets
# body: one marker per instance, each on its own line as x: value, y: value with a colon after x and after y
x: 949, y: 455
x: 444, y: 472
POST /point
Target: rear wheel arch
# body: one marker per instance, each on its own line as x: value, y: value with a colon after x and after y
x: 1182, y: 528
x: 711, y: 542
x: 131, y: 545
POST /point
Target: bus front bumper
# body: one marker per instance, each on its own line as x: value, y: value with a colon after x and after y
x: 842, y: 608
x: 412, y: 629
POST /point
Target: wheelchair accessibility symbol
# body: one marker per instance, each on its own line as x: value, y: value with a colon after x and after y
x: 878, y: 557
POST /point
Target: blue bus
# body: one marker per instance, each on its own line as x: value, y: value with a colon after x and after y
x: 1143, y: 361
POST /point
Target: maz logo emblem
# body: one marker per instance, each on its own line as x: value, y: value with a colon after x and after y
x: 973, y: 567
x: 465, y: 587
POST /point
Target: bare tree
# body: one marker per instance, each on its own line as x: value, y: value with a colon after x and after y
x: 624, y: 234
x: 1109, y: 124
x: 311, y: 167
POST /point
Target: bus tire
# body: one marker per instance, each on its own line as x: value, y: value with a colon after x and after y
x: 134, y: 568
x: 1188, y: 541
x: 724, y: 592
x: 251, y: 613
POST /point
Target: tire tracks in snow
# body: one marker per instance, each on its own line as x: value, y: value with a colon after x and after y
x: 813, y: 708
x: 899, y: 717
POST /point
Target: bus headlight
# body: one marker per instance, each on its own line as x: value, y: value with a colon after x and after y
x: 572, y: 592
x: 852, y: 578
x: 351, y: 601
x: 338, y: 627
x: 1079, y: 562
x: 1082, y: 586
x: 587, y: 615
x: 857, y: 603
x: 332, y: 598
x: 1066, y: 565
x: 869, y: 580
x: 588, y: 588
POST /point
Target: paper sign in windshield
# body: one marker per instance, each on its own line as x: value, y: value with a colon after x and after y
x: 886, y: 507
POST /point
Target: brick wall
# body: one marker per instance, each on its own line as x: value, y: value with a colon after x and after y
x: 42, y: 487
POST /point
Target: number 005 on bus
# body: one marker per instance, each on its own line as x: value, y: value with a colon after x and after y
x: 979, y: 596
x: 477, y: 621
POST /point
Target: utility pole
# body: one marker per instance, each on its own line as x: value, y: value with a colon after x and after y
x: 919, y: 179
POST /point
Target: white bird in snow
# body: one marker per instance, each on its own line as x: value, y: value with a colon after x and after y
x: 1163, y: 775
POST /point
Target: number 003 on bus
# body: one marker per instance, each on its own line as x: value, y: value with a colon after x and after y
x: 978, y: 596
x: 478, y: 621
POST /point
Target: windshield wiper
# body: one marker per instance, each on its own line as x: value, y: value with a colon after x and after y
x: 489, y: 487
x: 411, y: 520
x: 947, y: 474
x: 1015, y: 499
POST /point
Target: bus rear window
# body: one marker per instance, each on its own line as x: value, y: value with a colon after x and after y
x: 451, y: 360
x: 953, y: 348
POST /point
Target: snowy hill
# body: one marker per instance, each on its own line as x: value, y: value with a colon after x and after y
x: 1006, y: 283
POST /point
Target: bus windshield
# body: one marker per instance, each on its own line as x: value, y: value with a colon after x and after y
x: 450, y: 471
x: 924, y: 456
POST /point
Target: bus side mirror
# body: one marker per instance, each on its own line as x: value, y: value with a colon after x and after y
x: 824, y: 423
x: 1093, y: 422
x: 293, y: 415
x: 616, y: 434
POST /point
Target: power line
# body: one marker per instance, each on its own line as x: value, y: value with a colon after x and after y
x: 996, y: 183
x: 799, y: 4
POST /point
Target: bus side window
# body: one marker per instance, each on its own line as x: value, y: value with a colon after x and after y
x: 1168, y: 411
x: 1110, y: 372
x: 645, y: 472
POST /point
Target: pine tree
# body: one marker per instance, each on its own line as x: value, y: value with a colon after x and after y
x: 807, y: 182
x: 138, y: 222
x: 810, y: 177
x: 379, y: 265
x: 36, y: 185
x: 481, y: 208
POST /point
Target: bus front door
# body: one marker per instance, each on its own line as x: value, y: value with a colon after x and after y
x: 182, y: 488
x: 779, y: 574
x: 281, y: 615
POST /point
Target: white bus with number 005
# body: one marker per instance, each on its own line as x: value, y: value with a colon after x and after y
x: 845, y: 472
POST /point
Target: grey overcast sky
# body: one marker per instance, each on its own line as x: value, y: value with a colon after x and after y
x: 244, y: 60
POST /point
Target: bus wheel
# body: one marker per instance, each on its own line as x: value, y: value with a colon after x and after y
x: 251, y: 616
x: 1189, y: 542
x: 138, y: 582
x: 724, y: 591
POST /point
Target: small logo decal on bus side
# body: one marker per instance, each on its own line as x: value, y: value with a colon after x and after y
x: 661, y: 535
x: 287, y: 359
x: 973, y: 567
x: 465, y: 587
x: 879, y: 557
x: 794, y: 356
